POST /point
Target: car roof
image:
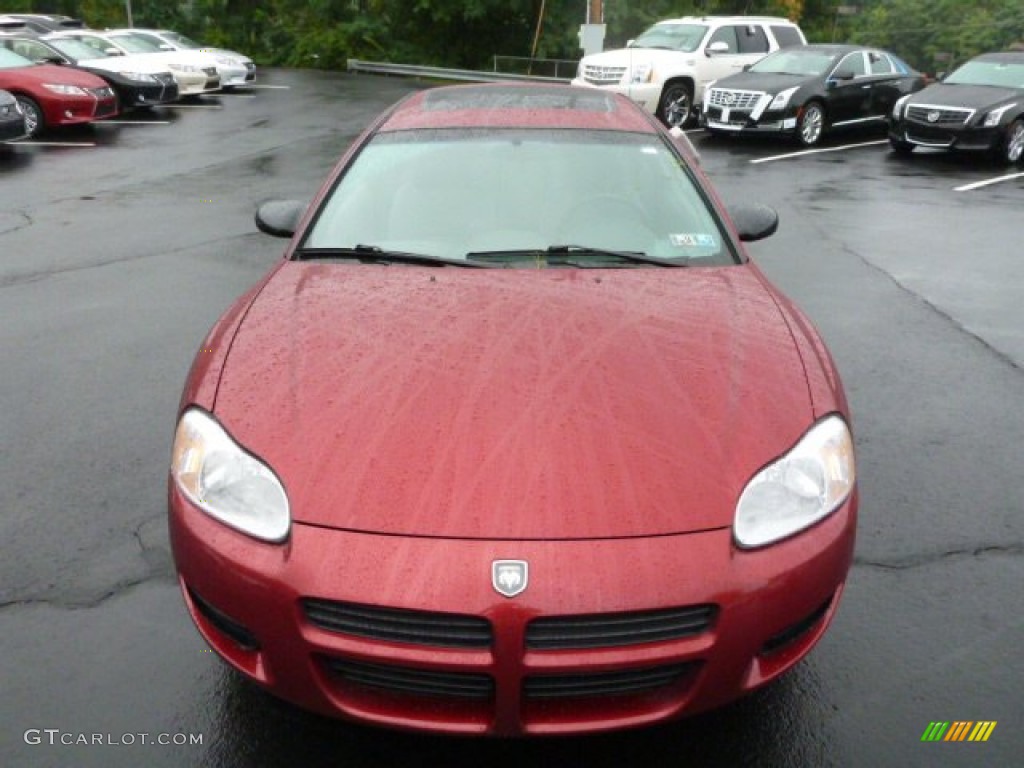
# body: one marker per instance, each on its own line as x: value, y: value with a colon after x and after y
x: 728, y: 20
x: 517, y: 105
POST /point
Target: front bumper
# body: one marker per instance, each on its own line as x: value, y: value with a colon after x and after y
x: 63, y: 110
x: 762, y: 611
x: 232, y: 76
x: 743, y: 121
x: 13, y: 128
x: 967, y: 137
x: 133, y: 93
x: 195, y: 83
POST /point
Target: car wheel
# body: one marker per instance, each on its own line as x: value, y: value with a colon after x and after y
x: 34, y: 121
x: 1013, y: 148
x: 901, y: 147
x: 811, y: 125
x: 676, y: 105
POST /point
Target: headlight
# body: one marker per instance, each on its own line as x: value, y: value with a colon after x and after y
x: 641, y: 73
x: 139, y: 77
x: 897, y: 108
x: 226, y: 482
x: 798, y: 489
x: 65, y: 90
x: 228, y: 61
x: 782, y: 98
x: 996, y: 115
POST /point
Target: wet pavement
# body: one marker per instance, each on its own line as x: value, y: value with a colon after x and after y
x: 116, y: 255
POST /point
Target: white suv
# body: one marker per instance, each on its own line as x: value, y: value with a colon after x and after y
x: 667, y: 68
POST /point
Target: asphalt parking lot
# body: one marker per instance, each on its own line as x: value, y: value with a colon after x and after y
x: 121, y: 244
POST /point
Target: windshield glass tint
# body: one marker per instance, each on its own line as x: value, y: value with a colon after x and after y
x: 452, y: 192
x: 789, y: 62
x: 10, y: 60
x: 1006, y: 74
x: 135, y: 44
x: 676, y: 37
x: 181, y: 41
x: 76, y: 49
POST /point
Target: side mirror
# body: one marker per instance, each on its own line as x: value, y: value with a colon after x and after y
x: 280, y: 218
x: 629, y: 43
x: 716, y: 49
x: 754, y: 222
x: 842, y: 74
x: 51, y: 60
x: 166, y: 47
x: 113, y: 51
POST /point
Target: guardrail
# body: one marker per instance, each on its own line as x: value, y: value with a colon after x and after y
x: 443, y: 73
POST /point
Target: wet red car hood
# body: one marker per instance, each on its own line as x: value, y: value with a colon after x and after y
x: 514, y: 403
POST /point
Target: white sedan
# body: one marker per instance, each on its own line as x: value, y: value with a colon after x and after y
x: 194, y: 71
x: 235, y: 69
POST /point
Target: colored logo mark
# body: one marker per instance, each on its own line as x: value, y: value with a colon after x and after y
x: 959, y: 730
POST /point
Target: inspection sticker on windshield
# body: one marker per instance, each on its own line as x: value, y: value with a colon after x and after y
x: 687, y: 240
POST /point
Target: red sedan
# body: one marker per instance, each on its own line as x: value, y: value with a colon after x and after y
x: 52, y: 96
x: 515, y: 439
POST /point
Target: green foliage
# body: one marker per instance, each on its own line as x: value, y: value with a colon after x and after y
x: 931, y: 34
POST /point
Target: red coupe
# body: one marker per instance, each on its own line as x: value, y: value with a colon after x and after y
x: 515, y: 439
x: 51, y: 96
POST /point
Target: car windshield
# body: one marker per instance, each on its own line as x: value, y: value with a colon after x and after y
x: 135, y: 44
x: 11, y: 60
x: 485, y: 193
x: 76, y: 49
x: 1004, y: 74
x: 181, y: 41
x: 674, y: 37
x: 795, y: 62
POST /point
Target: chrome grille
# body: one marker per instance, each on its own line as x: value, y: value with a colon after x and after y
x: 407, y: 680
x: 597, y: 75
x: 730, y: 99
x: 629, y: 682
x: 398, y: 624
x: 930, y: 114
x: 618, y: 629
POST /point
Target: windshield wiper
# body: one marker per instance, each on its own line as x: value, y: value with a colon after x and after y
x: 374, y: 254
x: 542, y: 254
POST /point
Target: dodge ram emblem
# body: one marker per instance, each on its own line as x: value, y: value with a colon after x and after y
x: 509, y: 577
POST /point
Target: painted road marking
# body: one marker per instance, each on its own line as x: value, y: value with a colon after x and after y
x: 819, y: 151
x: 52, y: 143
x: 268, y: 87
x: 987, y: 182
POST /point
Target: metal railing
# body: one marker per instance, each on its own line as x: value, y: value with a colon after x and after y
x: 443, y: 73
x: 525, y: 65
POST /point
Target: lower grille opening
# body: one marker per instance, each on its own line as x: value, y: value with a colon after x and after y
x: 796, y: 631
x: 627, y: 682
x: 417, y: 682
x: 618, y: 629
x: 227, y: 626
x: 399, y: 625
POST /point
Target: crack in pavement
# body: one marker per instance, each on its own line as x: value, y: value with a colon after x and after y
x: 1003, y: 356
x: 916, y: 561
x: 13, y: 221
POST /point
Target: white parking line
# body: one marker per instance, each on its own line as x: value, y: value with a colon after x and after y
x: 987, y: 182
x: 236, y: 95
x: 52, y: 143
x: 268, y: 87
x: 819, y: 151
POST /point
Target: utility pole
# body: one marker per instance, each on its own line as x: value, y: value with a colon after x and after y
x: 592, y: 32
